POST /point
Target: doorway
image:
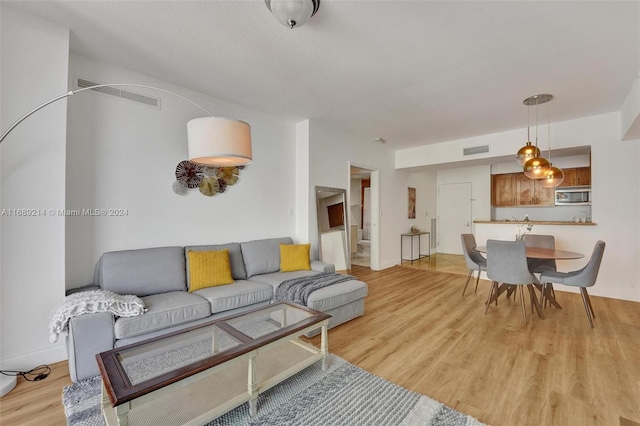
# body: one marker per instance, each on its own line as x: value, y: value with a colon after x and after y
x: 363, y: 216
x: 454, y: 216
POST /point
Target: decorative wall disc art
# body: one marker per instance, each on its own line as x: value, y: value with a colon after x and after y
x: 189, y: 174
x: 209, y: 186
x: 179, y: 188
x: 228, y: 174
x: 209, y: 180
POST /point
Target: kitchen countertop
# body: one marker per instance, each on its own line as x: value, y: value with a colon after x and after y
x: 533, y: 222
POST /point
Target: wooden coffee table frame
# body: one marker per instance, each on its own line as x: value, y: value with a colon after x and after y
x: 120, y: 397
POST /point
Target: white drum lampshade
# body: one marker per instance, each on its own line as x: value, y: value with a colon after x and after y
x: 219, y: 142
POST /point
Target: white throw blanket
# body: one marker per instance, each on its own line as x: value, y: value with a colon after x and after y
x: 88, y: 302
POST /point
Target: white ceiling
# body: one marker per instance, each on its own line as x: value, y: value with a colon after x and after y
x: 412, y: 72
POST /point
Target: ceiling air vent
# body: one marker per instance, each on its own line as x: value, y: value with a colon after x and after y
x: 124, y: 94
x: 475, y: 150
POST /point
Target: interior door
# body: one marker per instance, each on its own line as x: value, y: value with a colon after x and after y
x: 454, y: 216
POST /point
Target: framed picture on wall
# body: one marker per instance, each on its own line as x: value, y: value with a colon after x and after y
x: 412, y: 203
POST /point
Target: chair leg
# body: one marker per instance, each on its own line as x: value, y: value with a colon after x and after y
x: 524, y: 308
x: 467, y: 283
x: 531, y: 299
x: 493, y: 285
x: 593, y: 315
x: 543, y: 299
x: 585, y: 297
x: 477, y: 280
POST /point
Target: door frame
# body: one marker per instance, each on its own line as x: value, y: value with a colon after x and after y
x: 375, y: 210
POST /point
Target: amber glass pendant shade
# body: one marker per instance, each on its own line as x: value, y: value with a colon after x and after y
x: 535, y: 168
x: 552, y: 177
x: 526, y: 153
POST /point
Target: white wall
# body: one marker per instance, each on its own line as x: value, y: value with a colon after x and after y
x: 330, y: 152
x: 615, y: 188
x: 123, y: 155
x: 33, y: 70
x: 426, y: 185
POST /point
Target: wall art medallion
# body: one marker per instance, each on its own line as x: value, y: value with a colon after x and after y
x: 189, y: 174
x: 209, y: 186
x: 209, y: 180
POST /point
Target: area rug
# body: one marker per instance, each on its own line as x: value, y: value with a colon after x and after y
x: 342, y: 395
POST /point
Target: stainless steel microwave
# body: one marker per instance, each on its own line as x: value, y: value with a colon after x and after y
x: 573, y: 196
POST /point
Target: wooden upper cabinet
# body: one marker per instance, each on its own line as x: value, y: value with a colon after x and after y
x: 526, y: 190
x: 576, y: 177
x: 545, y: 196
x: 503, y: 189
x: 515, y: 189
x: 583, y: 176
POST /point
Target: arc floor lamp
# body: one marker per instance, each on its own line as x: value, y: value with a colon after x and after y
x: 212, y: 141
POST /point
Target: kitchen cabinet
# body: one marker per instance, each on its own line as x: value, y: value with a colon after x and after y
x: 583, y: 176
x: 504, y: 189
x: 515, y: 189
x: 577, y: 176
x: 532, y: 193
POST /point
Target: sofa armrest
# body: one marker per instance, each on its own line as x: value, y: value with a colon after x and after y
x: 318, y: 266
x: 89, y: 334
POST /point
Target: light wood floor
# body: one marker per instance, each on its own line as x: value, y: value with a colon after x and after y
x: 419, y: 333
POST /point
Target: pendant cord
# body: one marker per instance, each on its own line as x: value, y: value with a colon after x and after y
x: 528, y: 122
x: 549, y: 132
x: 536, y: 120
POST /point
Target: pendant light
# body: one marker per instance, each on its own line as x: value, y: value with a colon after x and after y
x: 553, y: 176
x: 534, y: 168
x: 528, y: 151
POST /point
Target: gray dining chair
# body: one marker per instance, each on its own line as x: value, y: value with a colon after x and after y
x: 582, y: 278
x: 507, y: 264
x: 542, y: 241
x: 475, y: 261
x: 538, y: 266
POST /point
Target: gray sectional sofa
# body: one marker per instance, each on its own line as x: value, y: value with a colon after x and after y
x: 159, y: 276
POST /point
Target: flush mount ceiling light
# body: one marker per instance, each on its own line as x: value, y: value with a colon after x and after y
x: 534, y: 168
x: 293, y: 13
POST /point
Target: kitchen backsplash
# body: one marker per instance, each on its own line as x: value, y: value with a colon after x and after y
x: 557, y: 213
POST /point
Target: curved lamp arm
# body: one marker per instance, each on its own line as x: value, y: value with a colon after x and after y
x: 213, y: 141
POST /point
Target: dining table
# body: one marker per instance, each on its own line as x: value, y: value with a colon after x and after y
x: 547, y: 293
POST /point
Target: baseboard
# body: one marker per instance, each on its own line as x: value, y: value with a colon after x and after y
x: 24, y: 362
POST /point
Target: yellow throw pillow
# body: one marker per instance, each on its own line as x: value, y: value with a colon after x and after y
x: 294, y: 257
x: 208, y: 269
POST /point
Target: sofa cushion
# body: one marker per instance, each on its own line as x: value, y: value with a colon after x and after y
x: 143, y: 272
x: 294, y: 257
x: 262, y: 256
x: 235, y: 258
x: 164, y: 310
x: 337, y: 295
x: 241, y: 293
x: 276, y: 278
x: 208, y: 269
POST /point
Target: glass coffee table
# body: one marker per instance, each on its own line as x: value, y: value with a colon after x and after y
x: 195, y: 375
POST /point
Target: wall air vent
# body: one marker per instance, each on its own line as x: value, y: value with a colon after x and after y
x: 475, y: 150
x: 124, y: 94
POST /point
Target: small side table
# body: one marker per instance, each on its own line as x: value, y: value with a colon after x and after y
x: 411, y: 236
